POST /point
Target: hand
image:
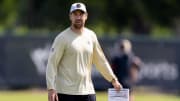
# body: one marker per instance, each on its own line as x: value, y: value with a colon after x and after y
x: 116, y: 85
x: 52, y: 95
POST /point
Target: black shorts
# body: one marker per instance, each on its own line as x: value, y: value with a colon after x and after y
x: 66, y: 97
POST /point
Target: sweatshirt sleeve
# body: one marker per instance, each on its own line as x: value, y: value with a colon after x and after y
x: 101, y: 62
x: 55, y: 56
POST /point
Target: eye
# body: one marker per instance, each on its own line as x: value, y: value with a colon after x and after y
x: 81, y: 14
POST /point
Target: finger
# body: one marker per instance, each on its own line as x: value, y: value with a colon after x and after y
x: 53, y: 97
x: 118, y: 87
x: 115, y: 87
x: 121, y: 87
x: 57, y: 99
x: 50, y: 98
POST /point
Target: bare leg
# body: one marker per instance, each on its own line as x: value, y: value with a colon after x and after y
x: 131, y: 97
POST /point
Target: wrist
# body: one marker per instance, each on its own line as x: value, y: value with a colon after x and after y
x: 114, y: 80
x: 51, y: 90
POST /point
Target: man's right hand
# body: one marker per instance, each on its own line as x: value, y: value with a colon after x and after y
x: 52, y: 95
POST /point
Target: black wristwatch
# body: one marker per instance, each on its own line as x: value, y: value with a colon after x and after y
x: 114, y: 79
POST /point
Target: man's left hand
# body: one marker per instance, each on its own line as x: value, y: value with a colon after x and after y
x: 116, y: 85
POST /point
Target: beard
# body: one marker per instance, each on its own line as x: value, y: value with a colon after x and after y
x: 78, y: 24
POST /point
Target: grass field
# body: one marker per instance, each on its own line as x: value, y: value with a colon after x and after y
x: 101, y: 96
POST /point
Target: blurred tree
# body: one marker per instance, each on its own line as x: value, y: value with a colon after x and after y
x: 105, y: 16
x: 131, y: 13
x: 162, y: 11
x: 8, y: 12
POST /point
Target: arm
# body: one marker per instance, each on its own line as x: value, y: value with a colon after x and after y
x: 103, y: 66
x: 55, y: 56
x: 135, y: 68
x: 134, y: 74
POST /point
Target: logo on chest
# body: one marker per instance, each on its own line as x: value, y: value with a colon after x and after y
x: 88, y: 42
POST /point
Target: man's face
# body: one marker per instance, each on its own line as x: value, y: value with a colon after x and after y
x: 78, y: 19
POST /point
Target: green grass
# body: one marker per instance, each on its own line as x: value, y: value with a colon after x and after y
x: 157, y: 97
x: 23, y: 96
x: 101, y: 96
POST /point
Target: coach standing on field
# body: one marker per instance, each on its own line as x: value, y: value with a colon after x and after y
x: 69, y: 65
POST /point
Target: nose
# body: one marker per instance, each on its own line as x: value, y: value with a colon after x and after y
x: 78, y: 17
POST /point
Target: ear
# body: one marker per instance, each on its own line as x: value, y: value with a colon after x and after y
x: 69, y: 16
x: 86, y: 16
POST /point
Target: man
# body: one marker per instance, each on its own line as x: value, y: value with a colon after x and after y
x: 69, y: 65
x: 126, y: 65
